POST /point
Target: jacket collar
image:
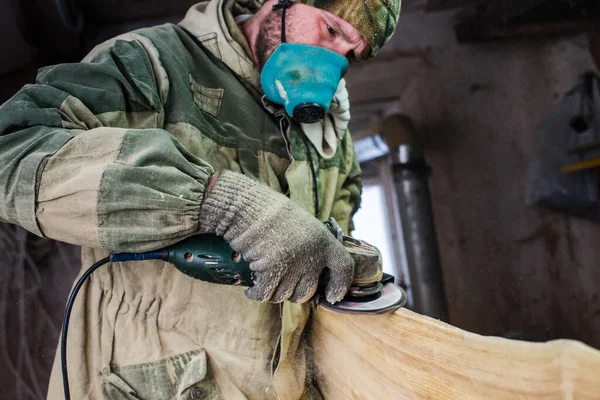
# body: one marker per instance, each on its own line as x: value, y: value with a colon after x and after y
x: 214, y: 23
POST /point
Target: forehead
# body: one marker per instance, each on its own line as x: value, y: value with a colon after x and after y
x: 310, y: 12
x: 348, y: 31
x: 347, y: 28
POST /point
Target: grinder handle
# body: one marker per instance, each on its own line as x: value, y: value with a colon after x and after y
x: 210, y: 258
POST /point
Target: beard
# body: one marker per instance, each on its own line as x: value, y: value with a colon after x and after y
x: 269, y: 35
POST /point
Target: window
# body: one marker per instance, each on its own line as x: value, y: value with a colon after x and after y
x: 377, y: 221
x: 371, y: 224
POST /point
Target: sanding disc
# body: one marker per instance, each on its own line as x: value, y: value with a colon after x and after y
x: 392, y: 297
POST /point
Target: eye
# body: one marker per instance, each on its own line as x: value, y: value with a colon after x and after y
x: 331, y: 30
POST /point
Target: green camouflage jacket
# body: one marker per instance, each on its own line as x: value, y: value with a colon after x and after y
x: 113, y: 154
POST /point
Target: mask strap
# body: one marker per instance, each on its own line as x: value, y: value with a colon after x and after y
x: 282, y: 5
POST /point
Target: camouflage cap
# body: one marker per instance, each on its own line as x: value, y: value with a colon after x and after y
x: 375, y: 19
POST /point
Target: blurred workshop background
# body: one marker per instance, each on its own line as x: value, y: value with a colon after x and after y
x: 478, y: 132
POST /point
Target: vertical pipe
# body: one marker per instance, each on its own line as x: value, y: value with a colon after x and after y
x: 411, y: 180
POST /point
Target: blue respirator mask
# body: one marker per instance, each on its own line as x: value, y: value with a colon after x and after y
x: 300, y: 77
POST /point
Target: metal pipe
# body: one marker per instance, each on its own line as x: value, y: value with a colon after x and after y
x: 411, y: 178
x: 411, y: 181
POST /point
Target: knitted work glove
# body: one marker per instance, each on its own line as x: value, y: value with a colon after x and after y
x: 287, y: 248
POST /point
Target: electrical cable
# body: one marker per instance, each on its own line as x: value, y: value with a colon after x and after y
x: 63, y: 339
x: 113, y: 257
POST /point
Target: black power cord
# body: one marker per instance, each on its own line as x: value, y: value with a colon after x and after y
x: 65, y: 327
x: 113, y: 257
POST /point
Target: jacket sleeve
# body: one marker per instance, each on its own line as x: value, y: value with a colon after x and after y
x: 84, y: 158
x: 348, y: 196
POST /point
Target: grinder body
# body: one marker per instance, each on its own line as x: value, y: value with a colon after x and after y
x: 211, y: 259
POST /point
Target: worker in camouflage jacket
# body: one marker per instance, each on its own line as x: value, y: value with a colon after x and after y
x: 164, y: 133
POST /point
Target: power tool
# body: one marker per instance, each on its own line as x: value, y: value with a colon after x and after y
x: 211, y: 259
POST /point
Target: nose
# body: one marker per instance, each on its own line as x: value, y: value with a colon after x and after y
x: 342, y: 48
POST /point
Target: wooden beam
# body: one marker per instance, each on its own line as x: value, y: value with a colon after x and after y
x: 473, y: 30
x: 443, y: 5
x: 491, y: 8
x: 580, y: 166
x: 408, y: 356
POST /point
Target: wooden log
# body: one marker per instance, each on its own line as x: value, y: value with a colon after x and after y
x: 404, y: 355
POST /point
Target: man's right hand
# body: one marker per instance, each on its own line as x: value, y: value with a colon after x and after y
x: 286, y: 246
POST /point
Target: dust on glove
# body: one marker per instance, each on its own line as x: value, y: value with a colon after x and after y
x: 287, y: 247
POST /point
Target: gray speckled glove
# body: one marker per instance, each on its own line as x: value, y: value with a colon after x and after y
x: 286, y: 246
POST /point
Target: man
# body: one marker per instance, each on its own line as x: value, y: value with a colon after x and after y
x: 164, y: 133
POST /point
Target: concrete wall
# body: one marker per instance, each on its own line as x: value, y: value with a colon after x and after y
x: 507, y: 268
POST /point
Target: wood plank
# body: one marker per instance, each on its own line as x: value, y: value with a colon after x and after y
x: 497, y: 9
x: 408, y: 356
x: 580, y: 166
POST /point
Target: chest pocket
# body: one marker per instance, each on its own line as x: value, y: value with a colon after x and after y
x: 182, y: 377
x: 207, y: 99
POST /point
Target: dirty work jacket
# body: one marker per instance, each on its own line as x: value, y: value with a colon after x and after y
x: 114, y: 154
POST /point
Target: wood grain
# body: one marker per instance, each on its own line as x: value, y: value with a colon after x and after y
x: 408, y: 356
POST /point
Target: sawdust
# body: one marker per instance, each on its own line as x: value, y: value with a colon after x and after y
x: 313, y: 375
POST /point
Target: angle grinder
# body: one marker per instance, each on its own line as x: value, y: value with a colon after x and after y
x: 211, y: 259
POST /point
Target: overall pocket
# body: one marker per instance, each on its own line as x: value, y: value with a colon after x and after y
x: 182, y: 377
